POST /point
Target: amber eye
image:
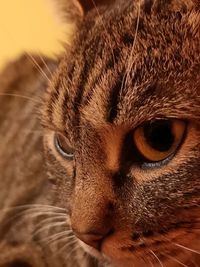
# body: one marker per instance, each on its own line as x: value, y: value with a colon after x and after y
x: 158, y: 140
x: 61, y: 144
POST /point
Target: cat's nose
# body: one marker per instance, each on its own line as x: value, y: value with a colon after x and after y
x: 93, y: 213
x: 92, y: 239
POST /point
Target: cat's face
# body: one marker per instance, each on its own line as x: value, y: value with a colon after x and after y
x: 123, y: 131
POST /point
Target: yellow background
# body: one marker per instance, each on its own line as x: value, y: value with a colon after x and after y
x: 32, y: 26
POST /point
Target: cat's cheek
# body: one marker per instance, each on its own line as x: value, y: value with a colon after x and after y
x: 60, y: 173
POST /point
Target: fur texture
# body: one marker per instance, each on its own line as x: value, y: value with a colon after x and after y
x: 130, y: 62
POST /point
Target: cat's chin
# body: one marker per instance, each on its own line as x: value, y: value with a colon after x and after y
x: 112, y: 256
x: 111, y: 262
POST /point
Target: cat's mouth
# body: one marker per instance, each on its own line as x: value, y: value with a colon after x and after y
x: 118, y: 249
x: 122, y: 251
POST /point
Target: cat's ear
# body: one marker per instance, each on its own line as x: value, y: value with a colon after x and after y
x: 87, y: 5
x: 75, y: 10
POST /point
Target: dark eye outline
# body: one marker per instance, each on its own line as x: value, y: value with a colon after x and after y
x: 61, y: 151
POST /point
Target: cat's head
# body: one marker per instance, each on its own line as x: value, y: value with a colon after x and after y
x: 122, y: 134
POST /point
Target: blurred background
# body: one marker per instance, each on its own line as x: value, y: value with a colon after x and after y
x: 32, y: 26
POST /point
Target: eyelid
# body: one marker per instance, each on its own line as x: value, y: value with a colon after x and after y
x: 65, y: 152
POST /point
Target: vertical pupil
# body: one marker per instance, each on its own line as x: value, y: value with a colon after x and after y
x: 159, y: 135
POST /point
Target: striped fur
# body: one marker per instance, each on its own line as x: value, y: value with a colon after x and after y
x: 130, y: 62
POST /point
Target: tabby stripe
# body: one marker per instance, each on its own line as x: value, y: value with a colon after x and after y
x: 80, y: 90
x: 66, y: 100
x: 115, y: 98
x: 148, y: 6
x: 127, y: 39
x: 104, y: 70
x: 162, y: 5
x: 89, y: 63
x: 97, y: 59
x: 53, y: 97
x: 72, y: 75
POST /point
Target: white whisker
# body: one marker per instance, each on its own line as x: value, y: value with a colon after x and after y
x: 21, y: 96
x: 186, y: 248
x: 153, y: 253
x: 38, y: 66
x: 47, y: 227
x: 183, y: 247
x: 72, y: 242
x: 45, y: 221
x: 33, y: 214
x: 72, y: 250
x: 105, y: 29
x: 57, y: 236
x: 45, y: 64
x: 176, y: 260
x: 33, y: 206
x: 130, y: 64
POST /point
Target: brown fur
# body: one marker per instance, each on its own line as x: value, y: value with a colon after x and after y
x: 130, y: 62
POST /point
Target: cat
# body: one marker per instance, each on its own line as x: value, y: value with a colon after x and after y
x: 111, y: 178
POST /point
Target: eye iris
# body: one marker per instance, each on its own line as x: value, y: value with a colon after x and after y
x: 62, y: 146
x: 156, y: 141
x: 159, y: 135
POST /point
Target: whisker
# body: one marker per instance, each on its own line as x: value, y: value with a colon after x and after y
x: 33, y: 214
x: 95, y: 6
x: 130, y: 64
x: 47, y: 227
x: 175, y: 259
x: 57, y: 236
x: 153, y: 253
x: 186, y: 248
x: 20, y: 96
x: 183, y: 247
x: 72, y: 250
x: 34, y: 62
x: 72, y: 242
x: 45, y: 64
x: 49, y: 220
x: 28, y: 206
x: 38, y: 66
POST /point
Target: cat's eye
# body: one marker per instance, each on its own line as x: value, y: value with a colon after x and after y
x: 158, y: 140
x: 61, y: 145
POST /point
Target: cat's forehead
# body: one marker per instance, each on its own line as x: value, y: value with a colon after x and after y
x: 135, y: 63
